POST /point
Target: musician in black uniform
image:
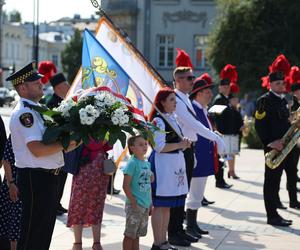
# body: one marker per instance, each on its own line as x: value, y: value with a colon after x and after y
x: 220, y: 121
x: 61, y: 88
x: 295, y: 90
x: 271, y: 123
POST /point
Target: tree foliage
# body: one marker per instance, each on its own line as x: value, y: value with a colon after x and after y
x: 71, y: 56
x: 15, y: 16
x: 251, y: 33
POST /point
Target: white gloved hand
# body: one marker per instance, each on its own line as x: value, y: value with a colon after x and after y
x: 221, y: 145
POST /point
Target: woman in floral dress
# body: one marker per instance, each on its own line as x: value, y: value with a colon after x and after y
x: 88, y: 194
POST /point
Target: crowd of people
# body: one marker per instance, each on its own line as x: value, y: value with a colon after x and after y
x: 169, y: 185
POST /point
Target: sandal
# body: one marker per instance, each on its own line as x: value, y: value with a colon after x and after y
x: 77, y: 246
x: 97, y: 246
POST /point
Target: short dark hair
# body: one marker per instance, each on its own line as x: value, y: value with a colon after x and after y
x: 181, y: 70
x: 131, y: 140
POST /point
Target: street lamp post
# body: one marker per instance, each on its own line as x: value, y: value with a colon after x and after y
x: 35, y: 33
x: 2, y: 2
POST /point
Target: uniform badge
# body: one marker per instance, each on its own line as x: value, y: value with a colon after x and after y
x: 26, y: 120
x: 260, y: 116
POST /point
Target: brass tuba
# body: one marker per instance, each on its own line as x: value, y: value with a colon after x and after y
x: 274, y: 158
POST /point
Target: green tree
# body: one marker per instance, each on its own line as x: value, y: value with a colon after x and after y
x: 15, y: 16
x: 251, y: 33
x: 71, y: 56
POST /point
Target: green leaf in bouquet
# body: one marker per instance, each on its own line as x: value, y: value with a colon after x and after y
x: 122, y: 138
x: 128, y: 130
x: 99, y: 133
x: 65, y: 141
x: 85, y: 139
x: 52, y: 135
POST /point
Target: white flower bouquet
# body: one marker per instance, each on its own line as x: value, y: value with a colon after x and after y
x: 96, y: 113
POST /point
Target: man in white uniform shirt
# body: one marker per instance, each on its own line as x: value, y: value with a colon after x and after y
x: 186, y: 116
x: 37, y: 164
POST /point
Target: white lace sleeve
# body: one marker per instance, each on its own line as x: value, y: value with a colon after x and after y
x: 159, y: 136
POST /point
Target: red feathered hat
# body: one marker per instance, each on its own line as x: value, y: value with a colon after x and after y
x: 294, y: 78
x: 48, y: 69
x: 183, y: 59
x: 278, y: 70
x: 206, y: 77
x: 228, y: 74
x: 280, y: 64
x: 234, y: 88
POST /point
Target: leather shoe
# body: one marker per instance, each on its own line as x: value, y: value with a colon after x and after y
x: 189, y: 237
x: 280, y: 206
x: 200, y: 231
x: 206, y: 202
x: 178, y: 240
x: 193, y: 232
x: 278, y: 221
x: 295, y: 205
x: 223, y: 185
x: 114, y: 191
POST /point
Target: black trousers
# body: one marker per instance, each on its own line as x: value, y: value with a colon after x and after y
x: 220, y: 174
x: 38, y: 193
x: 62, y: 177
x: 272, y: 183
x: 177, y: 213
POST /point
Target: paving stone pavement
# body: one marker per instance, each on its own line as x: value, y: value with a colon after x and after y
x: 235, y: 222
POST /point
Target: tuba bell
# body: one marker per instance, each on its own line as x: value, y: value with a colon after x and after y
x: 274, y: 158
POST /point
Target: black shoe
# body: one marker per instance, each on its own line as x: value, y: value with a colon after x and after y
x: 190, y: 237
x: 193, y: 232
x: 223, y: 185
x: 278, y: 221
x: 178, y: 240
x: 280, y: 206
x: 59, y: 213
x: 295, y: 205
x: 62, y: 209
x: 205, y: 202
x: 168, y: 246
x: 202, y: 232
x: 114, y: 191
x: 298, y: 179
x: 154, y: 247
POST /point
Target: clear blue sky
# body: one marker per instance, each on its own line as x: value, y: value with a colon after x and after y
x: 51, y: 10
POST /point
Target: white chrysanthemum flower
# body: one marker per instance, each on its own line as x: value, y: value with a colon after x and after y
x: 95, y: 113
x: 89, y: 120
x: 119, y: 113
x: 89, y: 109
x: 99, y: 103
x: 47, y: 118
x: 100, y: 97
x: 115, y: 120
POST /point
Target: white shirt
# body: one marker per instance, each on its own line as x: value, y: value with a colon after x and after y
x: 189, y: 124
x: 32, y: 131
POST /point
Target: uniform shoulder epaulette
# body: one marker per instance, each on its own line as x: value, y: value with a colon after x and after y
x: 260, y: 112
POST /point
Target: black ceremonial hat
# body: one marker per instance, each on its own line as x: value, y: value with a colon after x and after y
x: 26, y: 74
x: 276, y: 76
x: 57, y: 79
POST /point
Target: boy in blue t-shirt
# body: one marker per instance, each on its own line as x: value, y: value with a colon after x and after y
x: 137, y: 187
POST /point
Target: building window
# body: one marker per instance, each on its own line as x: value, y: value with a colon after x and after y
x: 200, y: 44
x: 165, y: 50
x: 55, y: 59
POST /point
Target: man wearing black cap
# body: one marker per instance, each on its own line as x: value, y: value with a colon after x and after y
x: 37, y: 164
x: 220, y: 122
x: 61, y: 88
x: 271, y: 123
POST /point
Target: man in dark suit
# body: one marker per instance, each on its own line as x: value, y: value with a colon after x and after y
x: 61, y: 88
x: 271, y: 123
x: 220, y: 121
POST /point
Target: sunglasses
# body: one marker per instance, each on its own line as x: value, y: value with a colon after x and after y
x: 189, y: 78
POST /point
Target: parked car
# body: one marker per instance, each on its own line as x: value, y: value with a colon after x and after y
x: 6, y: 96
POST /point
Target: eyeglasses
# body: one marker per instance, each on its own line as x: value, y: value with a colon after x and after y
x: 189, y: 78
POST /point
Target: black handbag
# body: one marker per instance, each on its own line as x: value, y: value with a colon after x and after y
x: 109, y: 167
x: 73, y: 160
